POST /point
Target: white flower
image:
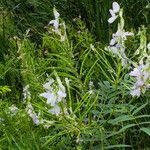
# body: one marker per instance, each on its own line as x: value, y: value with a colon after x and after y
x: 139, y: 82
x: 47, y: 85
x: 117, y: 45
x: 135, y: 92
x: 55, y: 24
x: 112, y: 19
x: 114, y: 50
x: 120, y: 35
x: 148, y: 86
x: 32, y: 114
x: 51, y: 98
x: 112, y: 42
x: 56, y: 21
x: 128, y: 34
x: 61, y: 94
x: 13, y: 110
x: 142, y: 75
x: 55, y: 110
x: 55, y: 93
x: 115, y: 9
x: 135, y: 73
x: 26, y: 93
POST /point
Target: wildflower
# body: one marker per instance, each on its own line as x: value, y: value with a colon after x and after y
x: 26, y: 93
x: 117, y: 44
x: 55, y: 93
x: 55, y: 110
x: 30, y: 111
x: 142, y: 75
x: 56, y: 21
x: 47, y: 85
x: 51, y: 98
x: 56, y: 24
x: 120, y: 35
x: 13, y: 110
x: 91, y: 88
x: 115, y: 9
x: 135, y: 92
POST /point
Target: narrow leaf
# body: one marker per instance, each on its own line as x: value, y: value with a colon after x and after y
x: 146, y: 130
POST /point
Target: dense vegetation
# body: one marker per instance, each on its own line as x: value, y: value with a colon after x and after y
x: 74, y: 74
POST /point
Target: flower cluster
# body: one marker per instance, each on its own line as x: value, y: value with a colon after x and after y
x: 54, y: 94
x: 117, y: 43
x: 26, y: 93
x: 142, y: 75
x: 57, y: 26
x: 30, y: 111
x: 56, y: 21
x: 13, y: 110
x: 37, y: 119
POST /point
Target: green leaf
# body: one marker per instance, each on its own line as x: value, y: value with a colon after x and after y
x: 146, y: 130
x: 121, y: 119
x: 139, y: 108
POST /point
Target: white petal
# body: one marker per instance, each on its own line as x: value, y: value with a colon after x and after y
x: 135, y: 92
x: 47, y: 85
x: 55, y: 24
x: 128, y: 34
x: 13, y: 108
x: 61, y: 94
x: 139, y: 83
x: 45, y: 95
x: 135, y: 73
x: 118, y: 33
x: 114, y: 50
x: 112, y: 12
x: 112, y: 42
x: 112, y: 19
x: 116, y: 7
x: 51, y: 22
x: 55, y: 110
x: 52, y: 100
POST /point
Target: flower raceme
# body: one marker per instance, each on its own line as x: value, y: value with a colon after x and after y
x: 117, y: 43
x: 120, y: 34
x: 115, y: 9
x: 58, y: 28
x: 54, y: 93
x: 56, y: 21
x: 142, y: 75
